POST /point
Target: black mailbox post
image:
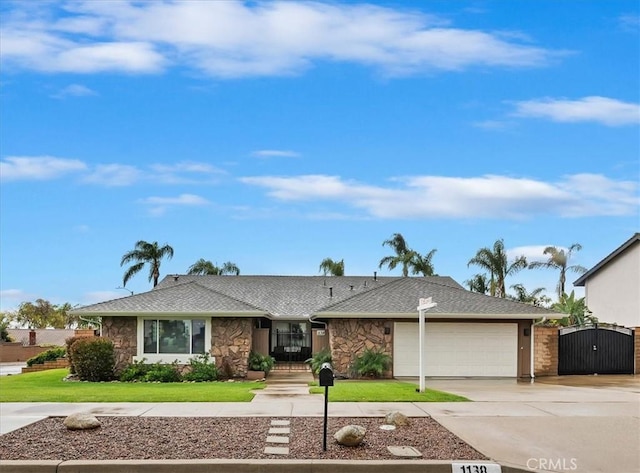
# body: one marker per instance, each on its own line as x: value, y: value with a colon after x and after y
x: 325, y: 378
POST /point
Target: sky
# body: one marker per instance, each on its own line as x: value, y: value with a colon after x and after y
x: 277, y: 134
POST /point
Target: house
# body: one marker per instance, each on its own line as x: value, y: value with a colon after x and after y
x: 612, y: 287
x: 292, y: 317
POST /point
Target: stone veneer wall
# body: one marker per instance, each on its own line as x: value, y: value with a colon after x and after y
x: 545, y: 351
x: 636, y: 340
x: 231, y: 341
x: 122, y: 332
x: 348, y: 338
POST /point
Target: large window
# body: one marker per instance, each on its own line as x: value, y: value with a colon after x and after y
x: 184, y: 336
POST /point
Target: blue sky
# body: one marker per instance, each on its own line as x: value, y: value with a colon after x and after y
x: 277, y: 134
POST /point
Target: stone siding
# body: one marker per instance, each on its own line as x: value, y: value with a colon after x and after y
x: 545, y: 351
x: 231, y: 343
x: 122, y: 332
x: 348, y: 338
x: 636, y: 339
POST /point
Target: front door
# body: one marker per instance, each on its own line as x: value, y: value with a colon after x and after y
x: 291, y: 341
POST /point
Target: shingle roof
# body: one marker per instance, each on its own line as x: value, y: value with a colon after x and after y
x: 304, y: 296
x: 610, y: 257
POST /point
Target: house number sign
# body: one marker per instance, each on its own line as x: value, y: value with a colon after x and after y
x: 475, y: 468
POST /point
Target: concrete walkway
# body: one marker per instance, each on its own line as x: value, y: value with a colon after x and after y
x: 541, y: 426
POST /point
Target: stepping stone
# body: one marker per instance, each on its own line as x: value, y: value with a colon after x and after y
x: 280, y: 422
x: 276, y: 450
x: 279, y: 430
x: 404, y: 452
x: 277, y: 439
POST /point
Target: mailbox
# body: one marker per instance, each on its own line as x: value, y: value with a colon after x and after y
x: 325, y: 376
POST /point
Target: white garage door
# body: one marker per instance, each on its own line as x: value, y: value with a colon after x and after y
x: 457, y: 349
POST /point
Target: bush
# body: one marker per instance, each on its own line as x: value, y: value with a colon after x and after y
x: 136, y: 371
x: 163, y: 373
x: 372, y: 363
x: 317, y: 360
x: 258, y: 362
x: 49, y: 355
x: 201, y: 369
x: 68, y: 342
x: 93, y: 358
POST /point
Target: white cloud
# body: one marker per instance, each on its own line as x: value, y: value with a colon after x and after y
x: 604, y: 110
x: 238, y: 39
x: 10, y: 299
x: 74, y: 90
x: 629, y: 22
x: 40, y: 168
x: 186, y: 172
x: 159, y: 205
x: 484, y: 197
x: 274, y: 153
x: 531, y: 252
x: 495, y: 125
x: 113, y: 175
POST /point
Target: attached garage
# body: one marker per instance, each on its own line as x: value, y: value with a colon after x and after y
x: 457, y: 349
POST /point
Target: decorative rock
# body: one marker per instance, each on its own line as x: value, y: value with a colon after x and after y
x: 396, y: 418
x: 80, y: 421
x: 350, y: 435
x: 404, y: 452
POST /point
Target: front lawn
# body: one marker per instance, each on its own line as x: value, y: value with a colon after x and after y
x: 383, y: 391
x: 47, y: 386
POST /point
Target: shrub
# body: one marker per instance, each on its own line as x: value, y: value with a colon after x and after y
x: 372, y: 363
x: 49, y: 355
x: 201, y: 368
x: 93, y: 358
x: 163, y: 373
x: 136, y: 371
x: 68, y: 342
x: 258, y: 362
x: 317, y: 360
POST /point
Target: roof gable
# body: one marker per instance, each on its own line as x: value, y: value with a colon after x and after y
x: 634, y: 240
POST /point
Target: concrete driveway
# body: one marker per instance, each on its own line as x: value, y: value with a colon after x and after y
x: 577, y: 423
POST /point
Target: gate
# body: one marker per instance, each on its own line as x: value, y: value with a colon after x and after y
x: 594, y: 349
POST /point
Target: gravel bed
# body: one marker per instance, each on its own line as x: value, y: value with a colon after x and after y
x: 137, y: 438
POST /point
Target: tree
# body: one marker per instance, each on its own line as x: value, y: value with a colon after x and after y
x: 5, y: 320
x: 143, y: 253
x: 332, y: 268
x: 42, y: 314
x: 479, y: 283
x: 535, y: 297
x: 206, y: 267
x: 421, y: 264
x: 577, y: 310
x: 495, y: 262
x: 559, y: 259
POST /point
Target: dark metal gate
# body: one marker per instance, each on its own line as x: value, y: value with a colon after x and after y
x: 594, y: 349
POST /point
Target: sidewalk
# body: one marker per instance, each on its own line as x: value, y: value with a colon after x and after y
x: 528, y: 426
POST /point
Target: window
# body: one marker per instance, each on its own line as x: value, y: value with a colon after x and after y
x: 184, y: 336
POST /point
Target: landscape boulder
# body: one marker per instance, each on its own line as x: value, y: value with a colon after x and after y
x: 396, y: 418
x: 350, y: 435
x: 80, y: 421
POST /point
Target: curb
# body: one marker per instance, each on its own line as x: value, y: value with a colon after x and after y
x: 239, y: 466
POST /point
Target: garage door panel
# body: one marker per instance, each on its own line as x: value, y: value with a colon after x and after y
x: 457, y: 349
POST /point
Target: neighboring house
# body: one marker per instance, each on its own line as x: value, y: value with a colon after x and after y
x: 612, y: 287
x: 292, y: 317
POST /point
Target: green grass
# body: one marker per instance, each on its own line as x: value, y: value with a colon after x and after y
x: 383, y: 391
x: 47, y: 386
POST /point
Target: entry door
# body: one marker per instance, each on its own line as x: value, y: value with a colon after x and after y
x: 291, y: 341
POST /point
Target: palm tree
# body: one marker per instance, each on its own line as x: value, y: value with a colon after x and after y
x: 495, y: 262
x: 479, y: 283
x: 534, y: 297
x: 559, y: 259
x: 206, y: 267
x: 145, y: 252
x: 404, y: 255
x: 422, y: 264
x: 332, y: 268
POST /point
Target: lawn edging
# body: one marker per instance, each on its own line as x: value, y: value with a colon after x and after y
x: 240, y: 466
